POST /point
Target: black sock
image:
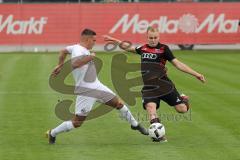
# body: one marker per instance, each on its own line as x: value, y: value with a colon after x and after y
x: 155, y: 120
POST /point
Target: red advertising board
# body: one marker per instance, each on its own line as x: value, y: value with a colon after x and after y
x: 178, y: 23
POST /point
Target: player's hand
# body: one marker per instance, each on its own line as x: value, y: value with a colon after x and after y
x: 57, y: 70
x: 93, y: 54
x: 201, y: 78
x: 109, y: 38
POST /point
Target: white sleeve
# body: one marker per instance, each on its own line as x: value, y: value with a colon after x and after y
x: 69, y: 49
x: 77, y: 52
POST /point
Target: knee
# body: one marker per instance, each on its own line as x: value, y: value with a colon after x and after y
x: 77, y: 121
x: 77, y: 124
x: 115, y: 103
x: 119, y: 104
x: 151, y: 107
x: 181, y: 109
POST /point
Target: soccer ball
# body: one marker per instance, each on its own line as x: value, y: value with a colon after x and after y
x: 156, y: 130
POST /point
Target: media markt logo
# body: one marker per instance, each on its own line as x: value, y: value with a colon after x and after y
x: 186, y: 23
x: 13, y: 26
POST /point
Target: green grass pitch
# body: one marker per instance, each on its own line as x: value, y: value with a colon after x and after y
x: 211, y: 131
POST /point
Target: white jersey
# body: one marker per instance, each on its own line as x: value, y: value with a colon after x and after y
x: 86, y: 75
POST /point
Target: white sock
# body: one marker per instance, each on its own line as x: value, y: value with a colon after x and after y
x: 64, y: 127
x: 127, y: 115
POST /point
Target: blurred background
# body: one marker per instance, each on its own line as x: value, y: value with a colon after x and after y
x: 34, y: 25
x: 203, y: 33
x: 109, y: 1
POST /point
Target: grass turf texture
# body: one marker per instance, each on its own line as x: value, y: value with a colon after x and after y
x: 212, y: 130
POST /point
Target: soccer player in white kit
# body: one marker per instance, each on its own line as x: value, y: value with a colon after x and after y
x: 88, y: 88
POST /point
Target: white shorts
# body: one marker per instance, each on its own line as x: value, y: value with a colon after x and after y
x: 85, y: 101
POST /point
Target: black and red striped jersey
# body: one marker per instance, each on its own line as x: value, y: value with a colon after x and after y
x: 159, y: 54
x: 153, y: 60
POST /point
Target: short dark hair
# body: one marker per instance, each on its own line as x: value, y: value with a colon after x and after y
x: 88, y: 32
x: 152, y: 29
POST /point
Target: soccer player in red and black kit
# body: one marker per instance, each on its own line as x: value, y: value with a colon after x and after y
x: 154, y: 53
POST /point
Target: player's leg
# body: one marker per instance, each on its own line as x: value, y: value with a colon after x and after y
x: 82, y: 108
x: 126, y: 114
x: 65, y: 127
x: 179, y: 102
x: 151, y: 103
x: 151, y: 106
x: 123, y: 109
x: 181, y: 108
x: 184, y: 106
x: 109, y: 98
x: 78, y: 120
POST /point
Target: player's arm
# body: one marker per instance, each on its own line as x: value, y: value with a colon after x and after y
x: 181, y: 66
x: 122, y: 44
x: 184, y: 68
x: 79, y: 62
x: 62, y: 56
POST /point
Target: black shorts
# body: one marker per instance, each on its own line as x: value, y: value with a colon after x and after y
x: 173, y: 98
